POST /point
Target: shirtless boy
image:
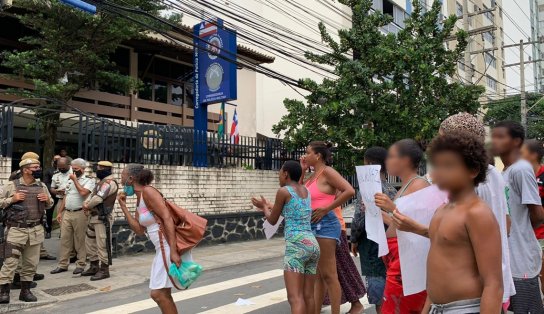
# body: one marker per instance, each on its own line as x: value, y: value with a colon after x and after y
x: 464, y: 272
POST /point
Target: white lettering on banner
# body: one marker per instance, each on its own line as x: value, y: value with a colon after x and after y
x: 413, y: 248
x: 370, y: 183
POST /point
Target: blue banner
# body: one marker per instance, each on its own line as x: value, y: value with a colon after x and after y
x: 215, y: 67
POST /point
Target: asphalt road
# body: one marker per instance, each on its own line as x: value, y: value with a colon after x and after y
x: 216, y: 291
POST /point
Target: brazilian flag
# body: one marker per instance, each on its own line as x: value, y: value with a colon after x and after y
x: 221, y: 128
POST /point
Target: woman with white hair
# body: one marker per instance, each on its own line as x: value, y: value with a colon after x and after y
x: 72, y: 219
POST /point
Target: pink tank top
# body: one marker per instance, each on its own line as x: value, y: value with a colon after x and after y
x: 319, y: 199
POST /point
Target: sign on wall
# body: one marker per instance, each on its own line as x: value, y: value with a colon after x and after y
x: 215, y: 67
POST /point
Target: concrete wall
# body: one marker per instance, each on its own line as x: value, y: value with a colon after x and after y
x: 5, y: 170
x: 210, y: 191
x: 205, y: 191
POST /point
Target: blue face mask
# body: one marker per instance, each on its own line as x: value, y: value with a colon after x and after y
x: 128, y: 189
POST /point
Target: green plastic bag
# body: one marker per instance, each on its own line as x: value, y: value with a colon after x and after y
x: 186, y: 274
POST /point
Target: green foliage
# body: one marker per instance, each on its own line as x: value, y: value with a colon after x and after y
x: 395, y: 86
x: 509, y: 109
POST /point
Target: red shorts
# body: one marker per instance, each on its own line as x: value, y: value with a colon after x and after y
x: 394, y: 301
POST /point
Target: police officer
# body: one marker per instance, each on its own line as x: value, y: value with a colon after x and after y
x: 104, y: 193
x: 25, y: 201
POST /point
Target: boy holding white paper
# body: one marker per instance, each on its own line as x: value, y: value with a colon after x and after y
x: 464, y: 272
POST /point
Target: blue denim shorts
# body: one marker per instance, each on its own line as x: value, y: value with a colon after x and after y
x: 328, y: 227
x: 375, y: 287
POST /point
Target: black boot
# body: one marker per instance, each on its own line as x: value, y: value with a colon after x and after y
x: 26, y: 295
x: 4, y: 294
x: 103, y: 273
x: 17, y: 285
x: 92, y: 270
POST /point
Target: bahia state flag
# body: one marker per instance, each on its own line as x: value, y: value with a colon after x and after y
x: 221, y: 127
x: 234, y: 134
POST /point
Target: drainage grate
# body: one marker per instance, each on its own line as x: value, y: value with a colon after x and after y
x: 69, y: 289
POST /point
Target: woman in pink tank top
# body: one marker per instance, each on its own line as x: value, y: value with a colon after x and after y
x: 328, y: 190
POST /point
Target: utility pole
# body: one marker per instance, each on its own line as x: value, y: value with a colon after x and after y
x: 523, y: 96
x: 523, y: 99
x: 468, y: 62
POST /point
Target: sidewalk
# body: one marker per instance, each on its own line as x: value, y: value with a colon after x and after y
x: 133, y: 270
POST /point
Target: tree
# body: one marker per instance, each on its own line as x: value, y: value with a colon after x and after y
x: 70, y: 50
x: 395, y: 86
x: 509, y: 109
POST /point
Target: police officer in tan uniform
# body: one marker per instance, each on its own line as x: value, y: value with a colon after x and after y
x: 25, y: 201
x: 102, y: 198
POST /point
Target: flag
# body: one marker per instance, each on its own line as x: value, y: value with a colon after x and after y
x: 234, y: 135
x: 221, y: 127
x: 207, y: 29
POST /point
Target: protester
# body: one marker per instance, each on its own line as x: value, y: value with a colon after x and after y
x: 352, y: 285
x: 372, y: 266
x: 100, y: 206
x: 293, y: 201
x: 464, y: 272
x: 403, y: 160
x: 526, y: 212
x: 150, y: 202
x: 47, y: 179
x: 533, y: 152
x: 328, y: 190
x: 25, y: 201
x: 72, y: 219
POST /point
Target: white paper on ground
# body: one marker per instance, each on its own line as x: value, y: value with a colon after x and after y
x: 243, y: 302
x: 270, y: 229
x: 413, y: 248
x: 370, y: 183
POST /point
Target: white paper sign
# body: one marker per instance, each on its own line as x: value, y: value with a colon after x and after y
x: 370, y: 183
x: 270, y: 229
x: 413, y: 248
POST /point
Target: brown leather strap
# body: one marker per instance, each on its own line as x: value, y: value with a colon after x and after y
x: 164, y: 259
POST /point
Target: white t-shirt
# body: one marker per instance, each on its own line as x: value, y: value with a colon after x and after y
x: 525, y: 252
x: 493, y: 192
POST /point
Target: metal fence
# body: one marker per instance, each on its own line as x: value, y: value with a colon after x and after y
x: 96, y: 138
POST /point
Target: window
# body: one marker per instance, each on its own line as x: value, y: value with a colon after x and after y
x: 491, y: 83
x: 461, y: 65
x: 459, y: 9
x: 488, y: 36
x: 490, y: 60
x: 388, y: 7
x: 489, y: 15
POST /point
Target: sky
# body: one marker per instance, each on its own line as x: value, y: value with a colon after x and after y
x: 519, y: 12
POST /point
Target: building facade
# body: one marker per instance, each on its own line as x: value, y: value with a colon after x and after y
x: 537, y: 32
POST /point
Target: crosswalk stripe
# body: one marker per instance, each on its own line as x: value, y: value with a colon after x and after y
x: 260, y: 301
x: 192, y: 293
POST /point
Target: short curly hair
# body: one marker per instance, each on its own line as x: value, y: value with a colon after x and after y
x: 468, y: 146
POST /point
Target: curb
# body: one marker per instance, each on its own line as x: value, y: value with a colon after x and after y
x: 50, y: 300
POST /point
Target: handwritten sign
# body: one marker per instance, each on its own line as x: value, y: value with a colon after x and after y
x: 413, y: 248
x: 370, y: 183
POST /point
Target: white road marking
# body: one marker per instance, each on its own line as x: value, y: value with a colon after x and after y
x: 196, y: 292
x: 261, y: 301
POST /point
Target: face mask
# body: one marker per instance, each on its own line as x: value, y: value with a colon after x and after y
x: 78, y: 173
x: 129, y: 190
x: 64, y: 170
x: 37, y: 174
x: 101, y: 174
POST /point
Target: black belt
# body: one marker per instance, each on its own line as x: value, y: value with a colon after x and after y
x: 23, y: 224
x: 73, y: 210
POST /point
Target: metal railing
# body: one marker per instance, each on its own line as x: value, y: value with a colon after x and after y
x: 97, y: 138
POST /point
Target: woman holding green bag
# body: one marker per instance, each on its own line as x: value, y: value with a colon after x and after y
x: 151, y: 208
